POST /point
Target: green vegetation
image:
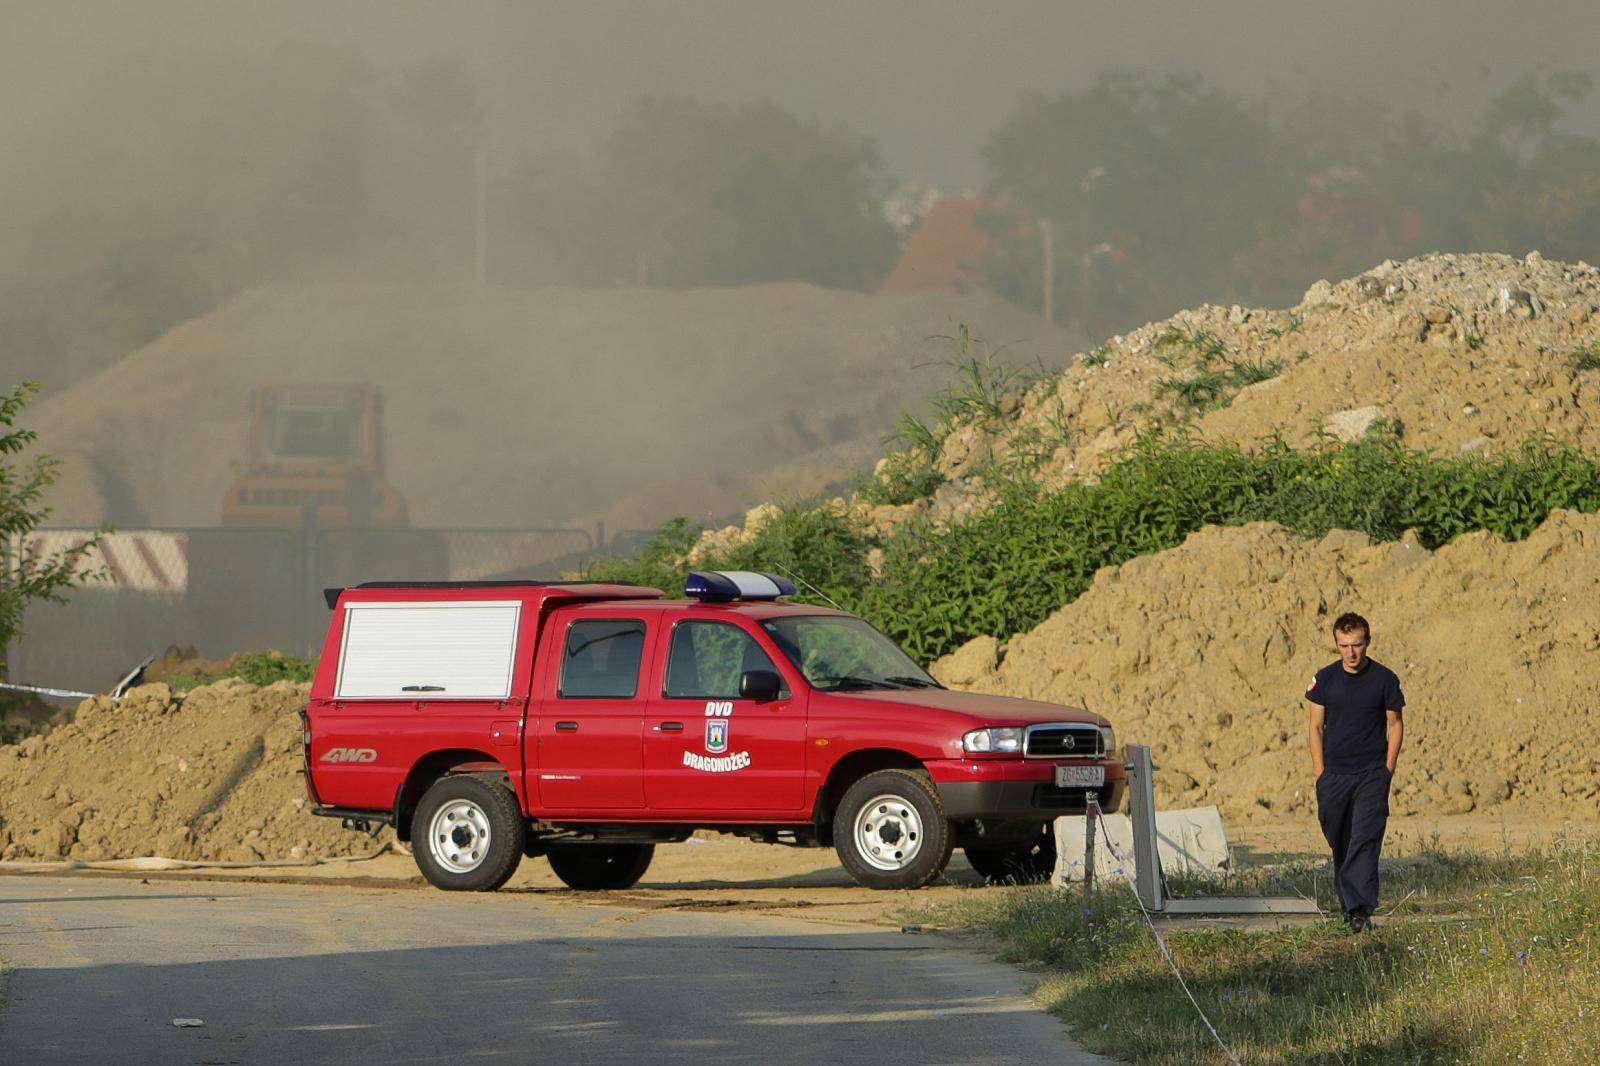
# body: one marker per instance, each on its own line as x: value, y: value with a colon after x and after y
x: 30, y: 575
x: 907, y: 477
x: 17, y: 732
x: 1483, y: 959
x: 1009, y: 567
x: 1216, y: 376
x: 1586, y: 358
x: 258, y: 668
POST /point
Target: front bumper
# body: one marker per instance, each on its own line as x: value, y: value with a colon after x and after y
x: 1018, y: 788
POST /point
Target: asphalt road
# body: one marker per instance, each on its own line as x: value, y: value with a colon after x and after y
x: 334, y: 974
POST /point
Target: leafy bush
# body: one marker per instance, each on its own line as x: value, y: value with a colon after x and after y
x: 809, y: 542
x: 1005, y: 570
x: 17, y: 732
x: 258, y: 668
x: 1586, y: 358
x: 659, y: 563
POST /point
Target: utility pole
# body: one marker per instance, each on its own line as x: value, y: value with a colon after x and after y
x: 481, y: 212
x: 1049, y: 301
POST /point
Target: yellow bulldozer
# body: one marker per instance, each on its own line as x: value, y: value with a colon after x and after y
x: 315, y: 459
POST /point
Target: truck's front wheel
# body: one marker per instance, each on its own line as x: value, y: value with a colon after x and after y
x: 890, y: 830
x: 467, y: 834
x: 597, y: 867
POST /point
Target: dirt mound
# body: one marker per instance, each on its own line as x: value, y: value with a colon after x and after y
x: 512, y: 408
x: 212, y: 774
x: 1456, y: 353
x: 1204, y: 652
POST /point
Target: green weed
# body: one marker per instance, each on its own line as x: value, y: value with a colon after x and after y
x: 981, y: 383
x: 1586, y: 357
x: 17, y: 732
x: 1099, y: 355
x: 908, y: 476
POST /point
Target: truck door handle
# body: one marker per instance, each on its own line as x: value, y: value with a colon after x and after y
x: 567, y: 727
x: 670, y: 727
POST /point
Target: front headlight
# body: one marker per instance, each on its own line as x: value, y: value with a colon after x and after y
x: 995, y: 738
x: 1109, y: 739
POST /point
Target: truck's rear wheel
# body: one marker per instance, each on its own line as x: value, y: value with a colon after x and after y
x: 597, y: 867
x: 1023, y: 863
x: 890, y: 830
x: 467, y: 834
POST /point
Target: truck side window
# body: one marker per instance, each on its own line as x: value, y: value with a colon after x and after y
x: 707, y: 658
x: 601, y: 660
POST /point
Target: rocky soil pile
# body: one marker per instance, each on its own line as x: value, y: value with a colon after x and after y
x: 1204, y: 652
x: 1452, y: 352
x: 211, y: 774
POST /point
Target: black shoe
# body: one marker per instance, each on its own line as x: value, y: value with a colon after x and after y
x: 1359, y: 922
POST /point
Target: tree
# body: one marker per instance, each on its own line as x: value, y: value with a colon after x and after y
x: 29, y: 574
x: 1164, y: 193
x: 688, y: 193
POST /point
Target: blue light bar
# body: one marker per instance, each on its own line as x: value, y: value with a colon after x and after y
x: 720, y: 586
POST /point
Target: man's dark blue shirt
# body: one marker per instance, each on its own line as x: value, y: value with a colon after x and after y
x: 1355, y: 735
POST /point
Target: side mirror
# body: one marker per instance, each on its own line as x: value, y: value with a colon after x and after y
x: 760, y: 685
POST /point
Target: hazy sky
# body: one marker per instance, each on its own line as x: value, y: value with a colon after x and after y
x: 929, y: 80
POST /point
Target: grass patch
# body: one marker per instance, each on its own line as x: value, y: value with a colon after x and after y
x: 1507, y: 976
x: 1586, y: 357
x: 258, y: 668
x: 1099, y: 355
x: 1215, y: 377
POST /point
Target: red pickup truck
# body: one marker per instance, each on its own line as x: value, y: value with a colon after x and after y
x: 588, y: 722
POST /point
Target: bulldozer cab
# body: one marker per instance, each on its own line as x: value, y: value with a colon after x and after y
x: 327, y: 424
x: 315, y: 458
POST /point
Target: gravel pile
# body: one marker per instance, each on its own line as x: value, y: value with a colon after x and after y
x: 211, y: 774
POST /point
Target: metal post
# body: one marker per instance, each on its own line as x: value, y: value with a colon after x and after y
x: 1142, y: 816
x: 1091, y: 815
x: 1049, y: 301
x: 480, y: 212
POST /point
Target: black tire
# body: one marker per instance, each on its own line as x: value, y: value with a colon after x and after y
x: 468, y: 810
x: 598, y: 867
x: 1022, y: 863
x: 918, y: 820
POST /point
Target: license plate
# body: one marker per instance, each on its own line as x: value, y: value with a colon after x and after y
x: 1080, y: 776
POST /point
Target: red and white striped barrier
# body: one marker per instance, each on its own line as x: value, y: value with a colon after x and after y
x: 149, y: 560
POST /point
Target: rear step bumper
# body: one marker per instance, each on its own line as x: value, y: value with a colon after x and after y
x: 355, y: 818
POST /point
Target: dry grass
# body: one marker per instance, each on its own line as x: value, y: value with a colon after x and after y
x: 1483, y: 959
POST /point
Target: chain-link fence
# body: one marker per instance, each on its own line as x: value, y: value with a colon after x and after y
x: 223, y: 590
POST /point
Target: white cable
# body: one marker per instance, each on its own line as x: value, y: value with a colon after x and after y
x: 1122, y: 868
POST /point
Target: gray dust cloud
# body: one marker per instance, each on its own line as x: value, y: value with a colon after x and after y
x: 328, y: 292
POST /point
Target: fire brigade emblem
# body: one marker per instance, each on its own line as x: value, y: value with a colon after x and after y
x: 716, y: 735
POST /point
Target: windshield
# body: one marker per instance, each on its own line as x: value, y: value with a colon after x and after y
x: 837, y: 654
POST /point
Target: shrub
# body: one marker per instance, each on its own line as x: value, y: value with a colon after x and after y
x: 258, y: 668
x: 1005, y: 570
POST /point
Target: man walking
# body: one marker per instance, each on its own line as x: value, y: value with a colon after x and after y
x: 1356, y: 730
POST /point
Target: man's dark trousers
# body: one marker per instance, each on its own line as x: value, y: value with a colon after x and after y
x: 1354, y: 810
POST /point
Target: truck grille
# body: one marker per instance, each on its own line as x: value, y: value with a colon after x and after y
x: 1063, y: 740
